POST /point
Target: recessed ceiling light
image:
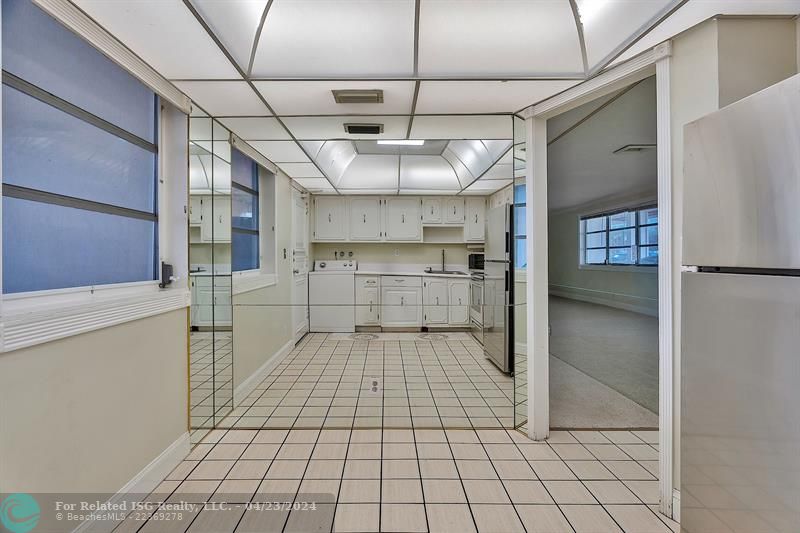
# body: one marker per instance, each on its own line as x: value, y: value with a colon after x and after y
x: 403, y: 142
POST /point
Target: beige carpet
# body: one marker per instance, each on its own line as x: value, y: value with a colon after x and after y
x: 578, y: 401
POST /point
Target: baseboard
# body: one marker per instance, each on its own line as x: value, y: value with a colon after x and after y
x: 608, y: 302
x: 248, y: 385
x: 142, y: 483
x: 676, y: 505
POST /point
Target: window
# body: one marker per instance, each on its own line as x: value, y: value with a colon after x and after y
x: 79, y: 161
x: 628, y: 237
x: 244, y: 212
x: 520, y: 237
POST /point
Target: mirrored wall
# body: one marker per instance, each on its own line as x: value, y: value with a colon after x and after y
x: 520, y: 286
x: 211, y: 316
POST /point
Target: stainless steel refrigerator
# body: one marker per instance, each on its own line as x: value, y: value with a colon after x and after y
x: 740, y: 340
x: 498, y: 288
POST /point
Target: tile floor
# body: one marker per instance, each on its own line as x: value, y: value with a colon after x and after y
x: 210, y: 379
x: 454, y: 480
x: 385, y: 380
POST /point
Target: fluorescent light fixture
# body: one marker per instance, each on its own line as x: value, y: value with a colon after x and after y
x: 403, y: 142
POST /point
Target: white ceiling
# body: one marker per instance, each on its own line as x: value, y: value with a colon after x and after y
x: 581, y: 164
x: 449, y: 69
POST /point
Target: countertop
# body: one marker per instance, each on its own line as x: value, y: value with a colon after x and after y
x: 417, y: 273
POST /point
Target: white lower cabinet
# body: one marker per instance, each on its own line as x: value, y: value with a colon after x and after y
x: 458, y: 300
x: 211, y: 301
x: 434, y: 297
x: 368, y: 301
x: 401, y: 301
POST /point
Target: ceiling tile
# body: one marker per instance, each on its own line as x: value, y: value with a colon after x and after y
x: 234, y: 23
x: 256, y: 128
x: 315, y: 184
x: 462, y: 127
x: 321, y: 128
x: 487, y: 37
x: 224, y: 98
x: 327, y: 38
x: 316, y: 98
x: 301, y: 170
x: 165, y: 34
x: 280, y: 151
x: 485, y: 96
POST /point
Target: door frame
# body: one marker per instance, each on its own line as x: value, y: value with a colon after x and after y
x: 656, y: 61
x: 296, y: 193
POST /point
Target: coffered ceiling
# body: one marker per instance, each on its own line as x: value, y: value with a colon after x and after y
x: 449, y: 69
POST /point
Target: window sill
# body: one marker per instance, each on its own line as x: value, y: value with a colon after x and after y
x: 39, y: 317
x: 251, y: 280
x: 621, y: 268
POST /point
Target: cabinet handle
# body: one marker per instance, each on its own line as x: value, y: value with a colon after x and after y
x: 329, y: 217
x: 437, y: 300
x: 370, y: 306
x: 459, y: 301
x: 454, y: 209
x: 402, y: 301
x: 403, y: 218
x: 476, y: 218
x: 431, y: 210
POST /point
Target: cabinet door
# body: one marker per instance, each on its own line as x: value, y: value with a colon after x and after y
x: 454, y: 210
x: 365, y: 219
x: 475, y: 225
x: 222, y: 218
x: 403, y: 220
x: 206, y: 219
x: 195, y: 210
x: 458, y: 299
x: 434, y: 298
x: 431, y: 210
x: 367, y: 301
x: 400, y: 307
x: 329, y: 218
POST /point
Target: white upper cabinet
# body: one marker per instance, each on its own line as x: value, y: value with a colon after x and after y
x: 403, y: 219
x: 454, y: 210
x: 330, y: 221
x: 365, y: 219
x: 474, y: 226
x: 431, y: 210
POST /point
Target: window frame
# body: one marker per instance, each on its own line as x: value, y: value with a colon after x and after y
x: 523, y: 236
x: 583, y: 249
x: 257, y: 232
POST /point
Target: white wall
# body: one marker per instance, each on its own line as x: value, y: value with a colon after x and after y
x: 89, y: 412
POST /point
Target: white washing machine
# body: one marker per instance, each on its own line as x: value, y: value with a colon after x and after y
x: 332, y: 297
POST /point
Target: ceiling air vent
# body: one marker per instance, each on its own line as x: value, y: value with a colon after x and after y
x: 358, y: 96
x: 363, y: 129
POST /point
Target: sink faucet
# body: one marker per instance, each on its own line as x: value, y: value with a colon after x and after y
x: 442, y: 259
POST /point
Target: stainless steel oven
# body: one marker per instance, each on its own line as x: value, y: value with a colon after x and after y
x: 476, y: 306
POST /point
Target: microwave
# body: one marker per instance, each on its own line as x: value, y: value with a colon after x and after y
x: 475, y: 261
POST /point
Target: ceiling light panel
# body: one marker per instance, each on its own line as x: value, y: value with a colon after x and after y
x: 608, y: 23
x: 334, y: 157
x: 315, y: 98
x: 165, y: 34
x: 499, y: 172
x: 487, y: 37
x: 322, y: 128
x: 328, y: 38
x: 486, y: 187
x: 256, y: 128
x: 693, y: 13
x: 461, y: 127
x: 301, y: 170
x: 371, y: 172
x: 485, y: 96
x: 280, y: 151
x: 234, y: 23
x: 427, y: 172
x: 463, y: 174
x: 224, y: 98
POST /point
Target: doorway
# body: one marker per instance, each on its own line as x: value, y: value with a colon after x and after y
x: 300, y: 258
x: 603, y: 262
